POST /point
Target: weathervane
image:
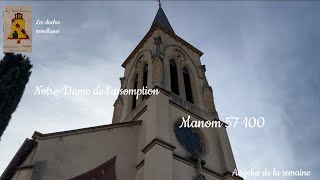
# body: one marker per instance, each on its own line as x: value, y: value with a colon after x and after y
x: 159, y: 1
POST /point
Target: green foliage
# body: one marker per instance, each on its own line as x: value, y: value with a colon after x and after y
x: 15, y: 70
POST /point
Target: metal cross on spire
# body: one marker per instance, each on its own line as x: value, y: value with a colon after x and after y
x: 159, y: 1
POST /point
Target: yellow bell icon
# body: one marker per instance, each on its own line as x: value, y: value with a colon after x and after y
x: 18, y: 28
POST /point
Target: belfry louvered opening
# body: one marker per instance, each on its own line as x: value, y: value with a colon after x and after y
x: 134, y: 96
x: 174, y: 77
x: 187, y: 85
x: 145, y: 78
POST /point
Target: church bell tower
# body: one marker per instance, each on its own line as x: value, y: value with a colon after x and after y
x: 165, y: 62
x: 149, y: 138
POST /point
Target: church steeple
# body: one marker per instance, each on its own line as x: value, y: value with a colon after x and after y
x: 162, y: 20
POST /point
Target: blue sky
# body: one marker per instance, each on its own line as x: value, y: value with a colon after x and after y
x: 262, y: 60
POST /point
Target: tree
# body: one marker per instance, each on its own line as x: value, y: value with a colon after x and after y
x: 15, y: 70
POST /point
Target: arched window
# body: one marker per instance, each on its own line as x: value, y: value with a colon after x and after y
x: 174, y: 77
x: 187, y: 85
x: 145, y: 78
x: 134, y: 97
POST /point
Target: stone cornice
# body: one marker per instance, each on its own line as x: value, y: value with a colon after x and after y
x: 196, y: 112
x: 38, y: 135
x: 149, y: 33
x: 140, y: 164
x: 157, y: 141
x: 205, y: 169
x: 164, y: 91
x: 229, y: 175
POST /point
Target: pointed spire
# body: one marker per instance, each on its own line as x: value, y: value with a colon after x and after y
x: 162, y: 19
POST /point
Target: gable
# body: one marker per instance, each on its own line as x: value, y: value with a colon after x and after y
x: 149, y: 34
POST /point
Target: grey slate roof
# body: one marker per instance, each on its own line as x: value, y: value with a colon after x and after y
x: 162, y: 19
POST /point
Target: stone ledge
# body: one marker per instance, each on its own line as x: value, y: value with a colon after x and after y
x: 38, y: 135
x: 157, y: 141
x: 140, y: 164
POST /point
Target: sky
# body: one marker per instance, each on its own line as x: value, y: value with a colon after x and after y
x: 262, y: 60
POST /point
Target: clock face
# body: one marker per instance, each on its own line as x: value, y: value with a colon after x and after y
x: 190, y: 139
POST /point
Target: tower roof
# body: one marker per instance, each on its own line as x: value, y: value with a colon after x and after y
x: 162, y: 20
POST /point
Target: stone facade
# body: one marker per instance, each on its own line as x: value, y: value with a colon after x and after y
x: 142, y: 139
